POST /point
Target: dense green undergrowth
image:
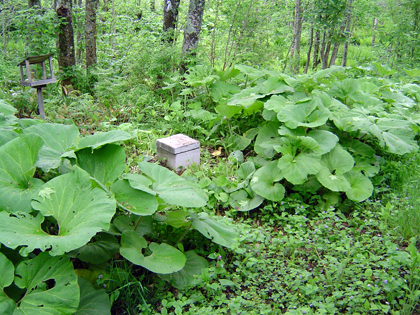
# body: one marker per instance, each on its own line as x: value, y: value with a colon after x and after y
x: 307, y: 182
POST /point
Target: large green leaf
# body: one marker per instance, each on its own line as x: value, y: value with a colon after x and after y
x: 334, y: 182
x: 276, y: 103
x: 17, y: 167
x: 275, y: 85
x: 104, y: 164
x: 302, y: 114
x: 93, y: 301
x: 173, y: 189
x: 57, y: 138
x: 338, y: 160
x: 7, y: 135
x: 296, y: 169
x: 240, y: 200
x: 326, y: 140
x: 6, y: 109
x: 222, y: 91
x: 7, y: 305
x: 164, y: 258
x: 141, y: 224
x: 361, y: 187
x: 79, y: 210
x: 50, y: 285
x: 135, y: 201
x: 101, y: 249
x: 267, y: 138
x: 100, y: 139
x: 218, y: 232
x: 265, y: 182
x: 227, y: 110
x: 185, y: 277
x: 246, y: 98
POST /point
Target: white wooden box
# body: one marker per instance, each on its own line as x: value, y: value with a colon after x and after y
x: 180, y: 151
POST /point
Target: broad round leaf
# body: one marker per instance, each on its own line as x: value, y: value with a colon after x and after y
x: 129, y: 222
x: 264, y: 182
x: 241, y: 201
x: 338, y: 160
x: 93, y: 301
x: 7, y: 272
x: 51, y: 285
x: 7, y: 135
x: 326, y: 140
x: 17, y: 167
x: 164, y: 258
x: 337, y: 182
x: 104, y: 164
x: 57, y: 138
x: 218, y: 232
x: 140, y: 182
x: 296, y: 169
x: 135, y: 201
x: 79, y: 210
x: 98, y: 251
x: 185, y: 277
x: 267, y: 138
x: 7, y: 305
x: 101, y: 138
x: 173, y: 189
x: 361, y: 187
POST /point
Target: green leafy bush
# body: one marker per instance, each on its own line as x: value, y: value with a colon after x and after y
x: 66, y: 196
x: 323, y: 133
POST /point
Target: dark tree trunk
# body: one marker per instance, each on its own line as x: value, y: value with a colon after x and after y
x: 348, y: 24
x: 316, y: 49
x: 33, y: 3
x: 326, y: 55
x: 66, y: 58
x: 375, y: 22
x: 90, y: 32
x: 79, y: 35
x: 297, y: 31
x: 323, y: 47
x: 192, y: 29
x: 193, y: 26
x: 170, y: 19
x: 308, y: 56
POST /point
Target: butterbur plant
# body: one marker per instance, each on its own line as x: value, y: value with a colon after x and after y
x: 89, y: 210
x: 324, y: 134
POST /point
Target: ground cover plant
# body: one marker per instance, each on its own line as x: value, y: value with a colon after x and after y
x: 304, y: 179
x: 64, y: 197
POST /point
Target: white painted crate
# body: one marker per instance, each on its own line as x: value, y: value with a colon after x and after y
x: 180, y: 151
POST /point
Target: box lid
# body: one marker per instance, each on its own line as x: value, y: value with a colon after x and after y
x: 177, y: 144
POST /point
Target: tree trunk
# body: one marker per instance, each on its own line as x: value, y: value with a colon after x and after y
x: 170, y: 19
x: 375, y: 22
x: 326, y: 55
x: 33, y: 3
x: 323, y: 47
x: 297, y: 31
x: 192, y: 28
x: 316, y: 49
x: 308, y: 56
x: 66, y: 58
x: 90, y: 32
x: 348, y: 24
x: 79, y: 35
